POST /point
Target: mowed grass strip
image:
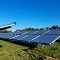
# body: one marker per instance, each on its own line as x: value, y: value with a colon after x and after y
x: 10, y: 51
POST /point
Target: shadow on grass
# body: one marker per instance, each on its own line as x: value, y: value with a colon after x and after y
x: 58, y: 41
x: 1, y: 46
x: 22, y: 43
x: 27, y: 44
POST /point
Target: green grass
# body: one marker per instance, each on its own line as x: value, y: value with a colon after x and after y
x: 11, y: 51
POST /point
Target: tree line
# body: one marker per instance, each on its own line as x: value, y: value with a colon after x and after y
x: 31, y: 29
x: 35, y: 29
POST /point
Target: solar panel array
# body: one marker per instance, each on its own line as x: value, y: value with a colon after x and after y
x: 42, y: 36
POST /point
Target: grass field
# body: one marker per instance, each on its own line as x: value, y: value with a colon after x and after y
x: 11, y: 51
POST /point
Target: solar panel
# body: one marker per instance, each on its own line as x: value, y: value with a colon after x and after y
x: 24, y: 35
x: 36, y: 32
x: 34, y: 35
x: 7, y: 36
x: 54, y: 32
x: 31, y: 32
x: 47, y: 39
x: 43, y: 36
x: 40, y: 32
x: 18, y: 37
x: 11, y: 35
x: 28, y: 37
x: 16, y: 33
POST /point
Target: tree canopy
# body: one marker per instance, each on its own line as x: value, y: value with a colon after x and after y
x: 36, y: 29
x: 31, y: 29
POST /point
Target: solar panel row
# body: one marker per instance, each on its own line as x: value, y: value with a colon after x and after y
x: 54, y: 32
x: 44, y: 36
x: 48, y: 39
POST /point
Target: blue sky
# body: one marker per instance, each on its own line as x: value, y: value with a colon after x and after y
x: 30, y: 13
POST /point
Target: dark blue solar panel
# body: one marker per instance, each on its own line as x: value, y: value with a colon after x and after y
x: 16, y: 33
x: 46, y: 39
x: 11, y: 35
x: 28, y: 33
x: 29, y: 37
x: 36, y: 32
x: 25, y: 37
x: 18, y: 37
x: 2, y: 35
x: 57, y: 31
x: 33, y: 36
x: 40, y: 32
x: 7, y: 36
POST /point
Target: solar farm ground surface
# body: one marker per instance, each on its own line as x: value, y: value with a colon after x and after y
x: 15, y: 51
